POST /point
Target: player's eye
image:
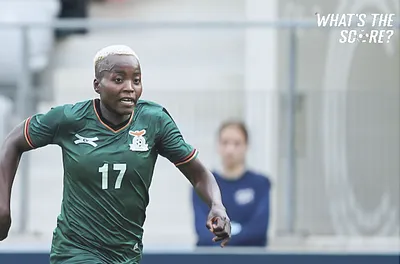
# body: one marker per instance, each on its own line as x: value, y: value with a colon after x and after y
x: 136, y: 81
x: 119, y: 80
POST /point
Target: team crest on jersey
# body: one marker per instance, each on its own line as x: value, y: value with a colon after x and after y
x: 138, y: 142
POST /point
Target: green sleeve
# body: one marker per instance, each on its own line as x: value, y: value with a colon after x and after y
x: 42, y: 129
x: 171, y: 144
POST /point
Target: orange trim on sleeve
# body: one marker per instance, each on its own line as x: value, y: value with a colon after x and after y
x: 26, y: 132
x: 190, y: 157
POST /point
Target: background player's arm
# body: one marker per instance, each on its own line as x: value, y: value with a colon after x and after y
x: 10, y: 155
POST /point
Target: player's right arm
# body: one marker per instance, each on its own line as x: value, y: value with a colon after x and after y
x: 36, y: 131
x: 10, y: 155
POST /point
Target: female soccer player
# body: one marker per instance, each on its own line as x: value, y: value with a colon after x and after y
x: 110, y: 146
x: 245, y: 193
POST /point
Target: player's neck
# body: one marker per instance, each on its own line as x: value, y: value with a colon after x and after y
x: 111, y: 117
x: 234, y: 172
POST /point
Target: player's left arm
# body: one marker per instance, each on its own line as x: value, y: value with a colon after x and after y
x: 172, y: 146
x: 200, y: 211
x: 207, y: 188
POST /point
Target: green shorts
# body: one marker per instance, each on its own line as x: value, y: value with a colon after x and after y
x: 79, y: 259
x: 65, y: 251
x: 82, y: 259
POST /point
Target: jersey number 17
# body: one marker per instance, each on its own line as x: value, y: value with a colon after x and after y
x: 104, y: 173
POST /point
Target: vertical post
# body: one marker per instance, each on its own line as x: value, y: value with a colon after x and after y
x: 261, y: 88
x: 291, y: 133
x: 24, y: 106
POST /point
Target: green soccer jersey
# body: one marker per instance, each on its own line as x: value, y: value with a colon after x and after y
x: 107, y: 175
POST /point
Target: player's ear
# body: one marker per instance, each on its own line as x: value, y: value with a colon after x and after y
x: 96, y: 85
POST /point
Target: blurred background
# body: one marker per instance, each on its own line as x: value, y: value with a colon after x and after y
x: 323, y: 117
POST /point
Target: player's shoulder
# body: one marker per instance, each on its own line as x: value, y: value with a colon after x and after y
x: 151, y: 108
x: 259, y: 178
x: 74, y: 111
x: 149, y: 105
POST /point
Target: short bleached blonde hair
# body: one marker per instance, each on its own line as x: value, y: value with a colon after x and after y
x: 113, y: 50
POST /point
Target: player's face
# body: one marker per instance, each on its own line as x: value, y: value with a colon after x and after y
x: 121, y: 85
x: 232, y: 146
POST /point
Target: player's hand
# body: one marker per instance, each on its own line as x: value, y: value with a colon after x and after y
x: 219, y: 224
x: 5, y: 223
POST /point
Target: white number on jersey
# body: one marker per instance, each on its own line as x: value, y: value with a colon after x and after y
x: 104, y: 175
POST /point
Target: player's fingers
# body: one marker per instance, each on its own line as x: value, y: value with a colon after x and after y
x: 220, y: 238
x: 225, y: 241
x: 222, y: 233
x: 5, y: 223
x: 217, y: 238
x: 3, y: 234
x: 218, y: 224
x: 209, y: 225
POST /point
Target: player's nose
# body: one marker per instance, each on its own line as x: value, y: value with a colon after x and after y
x: 129, y: 87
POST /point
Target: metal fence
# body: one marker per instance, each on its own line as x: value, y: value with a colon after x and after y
x: 333, y: 152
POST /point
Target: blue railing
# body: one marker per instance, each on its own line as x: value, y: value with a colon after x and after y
x: 209, y: 258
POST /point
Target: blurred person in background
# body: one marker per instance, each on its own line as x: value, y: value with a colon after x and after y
x: 110, y: 146
x: 71, y: 9
x: 246, y: 194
